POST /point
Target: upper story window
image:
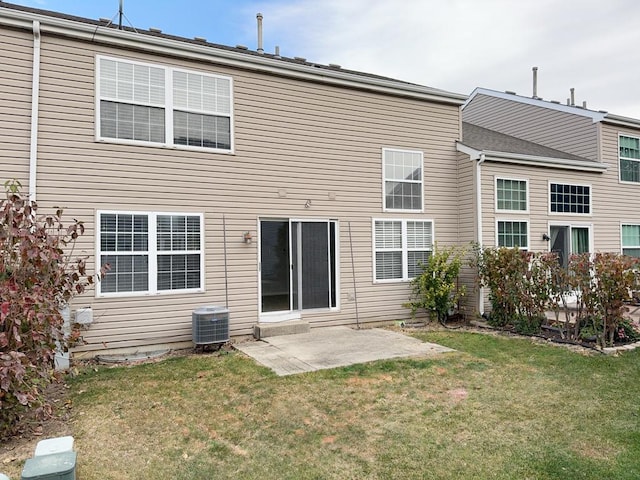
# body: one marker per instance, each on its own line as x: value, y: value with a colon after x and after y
x: 150, y: 252
x: 631, y: 240
x: 152, y: 104
x: 566, y: 198
x: 403, y: 180
x: 511, y: 195
x: 400, y: 247
x: 629, y: 159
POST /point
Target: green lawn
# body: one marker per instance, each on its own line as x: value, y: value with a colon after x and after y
x: 500, y: 408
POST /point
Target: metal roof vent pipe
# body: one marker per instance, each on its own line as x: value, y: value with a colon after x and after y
x: 573, y: 96
x: 535, y: 82
x: 259, y: 18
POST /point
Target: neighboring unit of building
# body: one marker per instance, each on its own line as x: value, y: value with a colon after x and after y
x: 209, y: 175
x: 549, y: 177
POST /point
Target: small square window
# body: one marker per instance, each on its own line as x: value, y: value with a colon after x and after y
x: 511, y: 195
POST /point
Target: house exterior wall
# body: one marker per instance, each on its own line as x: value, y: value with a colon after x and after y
x: 467, y: 230
x: 294, y: 141
x: 554, y: 129
x: 624, y: 198
x: 15, y: 107
x: 612, y: 202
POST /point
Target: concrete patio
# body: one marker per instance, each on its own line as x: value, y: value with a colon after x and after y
x: 332, y: 347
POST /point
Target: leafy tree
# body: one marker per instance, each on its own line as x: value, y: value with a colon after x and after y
x: 37, y: 278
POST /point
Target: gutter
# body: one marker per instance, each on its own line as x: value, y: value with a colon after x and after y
x: 35, y: 100
x: 622, y: 121
x: 92, y: 32
x: 533, y: 160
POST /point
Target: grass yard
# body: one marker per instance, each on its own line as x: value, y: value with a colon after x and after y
x: 500, y: 408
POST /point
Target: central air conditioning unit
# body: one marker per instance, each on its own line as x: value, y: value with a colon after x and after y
x: 210, y: 325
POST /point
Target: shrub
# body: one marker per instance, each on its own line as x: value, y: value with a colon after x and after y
x: 36, y: 279
x: 628, y: 331
x: 520, y: 285
x: 523, y: 286
x: 436, y: 289
x: 604, y: 282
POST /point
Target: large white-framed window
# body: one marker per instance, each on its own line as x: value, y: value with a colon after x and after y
x: 150, y: 252
x: 512, y: 233
x: 629, y: 158
x: 630, y: 236
x: 400, y: 246
x: 403, y: 179
x: 569, y: 198
x: 148, y: 104
x: 512, y: 195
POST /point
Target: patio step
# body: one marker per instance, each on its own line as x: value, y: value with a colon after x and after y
x: 264, y: 330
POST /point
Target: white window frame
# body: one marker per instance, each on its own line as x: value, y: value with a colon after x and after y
x: 385, y: 150
x: 404, y: 247
x: 495, y: 193
x: 152, y: 253
x: 571, y: 184
x: 622, y: 245
x: 513, y: 220
x: 571, y: 226
x: 620, y: 158
x: 168, y: 107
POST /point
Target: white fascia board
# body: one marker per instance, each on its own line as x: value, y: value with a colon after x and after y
x: 472, y: 152
x: 575, y: 110
x: 532, y: 160
x: 622, y: 121
x: 167, y: 46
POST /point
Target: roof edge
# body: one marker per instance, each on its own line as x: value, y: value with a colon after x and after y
x: 574, y: 110
x: 622, y: 121
x: 532, y: 160
x: 94, y: 32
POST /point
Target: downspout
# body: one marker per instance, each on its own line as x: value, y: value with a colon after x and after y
x: 35, y: 100
x: 479, y: 221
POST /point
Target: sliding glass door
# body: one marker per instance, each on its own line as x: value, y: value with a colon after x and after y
x: 568, y: 239
x: 297, y: 265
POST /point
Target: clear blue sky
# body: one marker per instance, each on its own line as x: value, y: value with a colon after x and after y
x: 455, y: 45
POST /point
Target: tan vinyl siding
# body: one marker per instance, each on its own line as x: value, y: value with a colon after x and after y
x: 467, y: 235
x: 624, y: 205
x: 294, y: 141
x: 16, y: 57
x: 611, y: 202
x: 554, y: 129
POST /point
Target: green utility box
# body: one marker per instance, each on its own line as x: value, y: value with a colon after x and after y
x: 57, y: 466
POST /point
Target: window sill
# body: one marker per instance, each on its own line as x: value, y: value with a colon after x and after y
x: 150, y: 294
x: 165, y: 146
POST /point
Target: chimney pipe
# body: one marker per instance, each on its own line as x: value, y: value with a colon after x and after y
x: 573, y: 96
x: 259, y: 17
x: 277, y: 55
x: 120, y: 13
x: 584, y: 104
x: 535, y: 82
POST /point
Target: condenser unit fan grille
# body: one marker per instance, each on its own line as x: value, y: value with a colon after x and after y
x: 210, y: 325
